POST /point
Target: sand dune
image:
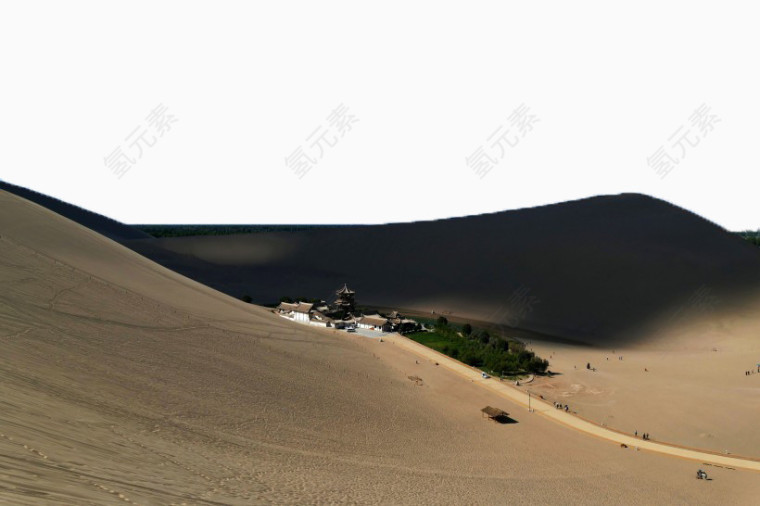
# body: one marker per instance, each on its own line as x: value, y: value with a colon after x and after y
x: 602, y: 271
x: 609, y: 270
x: 99, y: 223
x: 123, y: 382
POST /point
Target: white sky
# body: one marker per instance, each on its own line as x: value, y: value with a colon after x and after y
x: 428, y: 84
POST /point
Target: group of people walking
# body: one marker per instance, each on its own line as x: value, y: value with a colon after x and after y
x: 644, y: 436
x: 561, y: 406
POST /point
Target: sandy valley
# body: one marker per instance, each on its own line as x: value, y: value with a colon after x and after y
x: 123, y: 382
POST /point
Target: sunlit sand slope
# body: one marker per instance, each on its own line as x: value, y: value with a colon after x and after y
x: 124, y: 383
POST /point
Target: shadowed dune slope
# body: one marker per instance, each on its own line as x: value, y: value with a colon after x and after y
x: 122, y: 382
x: 94, y: 221
x: 607, y: 270
x: 596, y: 270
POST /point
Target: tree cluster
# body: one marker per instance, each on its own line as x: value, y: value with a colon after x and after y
x: 479, y: 348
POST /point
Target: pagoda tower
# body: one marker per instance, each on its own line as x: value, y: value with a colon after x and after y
x: 345, y: 300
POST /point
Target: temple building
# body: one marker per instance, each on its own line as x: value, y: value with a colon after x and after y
x: 299, y: 311
x: 340, y: 314
x: 373, y: 323
x: 321, y: 320
x: 345, y: 300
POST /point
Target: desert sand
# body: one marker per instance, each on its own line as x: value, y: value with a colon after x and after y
x: 560, y: 412
x: 601, y: 270
x: 693, y: 397
x: 124, y: 382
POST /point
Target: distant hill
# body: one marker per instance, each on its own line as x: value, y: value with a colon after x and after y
x: 101, y: 224
x: 593, y: 270
x: 596, y: 270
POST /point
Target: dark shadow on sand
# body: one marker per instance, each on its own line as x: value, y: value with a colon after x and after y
x: 599, y: 271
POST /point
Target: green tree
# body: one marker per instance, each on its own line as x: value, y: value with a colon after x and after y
x: 524, y: 358
x: 246, y: 298
x: 442, y: 321
x: 537, y: 365
x: 499, y: 343
x: 466, y: 329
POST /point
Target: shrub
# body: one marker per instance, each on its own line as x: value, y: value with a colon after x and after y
x: 491, y: 353
x: 471, y: 359
x: 499, y: 343
x: 537, y: 365
x: 524, y: 356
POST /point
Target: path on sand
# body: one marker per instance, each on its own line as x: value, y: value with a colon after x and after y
x: 544, y: 408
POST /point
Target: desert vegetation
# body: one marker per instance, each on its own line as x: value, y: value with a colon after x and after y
x: 751, y: 236
x: 478, y: 348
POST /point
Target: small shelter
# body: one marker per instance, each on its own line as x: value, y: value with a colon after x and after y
x: 495, y: 414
